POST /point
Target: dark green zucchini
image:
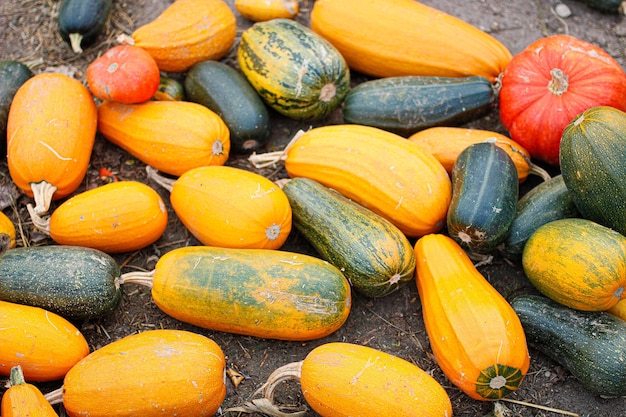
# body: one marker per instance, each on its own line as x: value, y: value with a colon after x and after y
x: 226, y: 91
x: 373, y: 254
x: 407, y: 104
x: 549, y: 200
x: 605, y: 6
x: 485, y: 190
x: 81, y: 21
x: 72, y: 281
x: 591, y: 345
x: 12, y: 75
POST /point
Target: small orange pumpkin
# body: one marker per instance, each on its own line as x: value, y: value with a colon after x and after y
x: 43, y: 343
x: 23, y: 399
x: 171, y: 136
x: 124, y: 73
x: 264, y: 10
x: 51, y: 130
x: 7, y: 233
x: 187, y: 32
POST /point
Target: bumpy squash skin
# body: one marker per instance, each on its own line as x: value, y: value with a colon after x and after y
x: 171, y: 136
x: 344, y: 379
x: 50, y: 132
x: 577, y: 263
x: 118, y: 217
x: 255, y: 292
x: 82, y: 21
x: 370, y: 43
x: 476, y: 337
x: 414, y: 193
x: 7, y: 233
x: 226, y: 91
x: 24, y: 399
x: 231, y: 207
x: 546, y: 202
x: 187, y: 32
x: 296, y: 71
x: 373, y: 254
x: 405, y: 105
x: 43, y: 343
x: 593, y: 165
x: 72, y: 281
x: 590, y: 345
x: 12, y: 75
x: 485, y: 190
x: 153, y: 373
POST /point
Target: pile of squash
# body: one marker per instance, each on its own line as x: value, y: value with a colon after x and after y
x: 399, y: 193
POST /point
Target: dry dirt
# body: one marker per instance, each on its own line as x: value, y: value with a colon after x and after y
x: 393, y: 323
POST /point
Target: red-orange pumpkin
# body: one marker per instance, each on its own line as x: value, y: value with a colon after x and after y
x: 552, y: 81
x: 124, y: 73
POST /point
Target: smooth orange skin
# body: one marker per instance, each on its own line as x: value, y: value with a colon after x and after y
x: 43, y: 343
x: 25, y: 400
x: 171, y: 136
x: 117, y: 217
x: 469, y: 324
x: 187, y: 32
x: 51, y: 130
x: 370, y: 44
x: 619, y: 309
x: 343, y: 379
x: 7, y: 233
x: 446, y: 143
x: 153, y: 373
x: 264, y: 10
x: 124, y: 73
x: 380, y: 170
x: 232, y: 208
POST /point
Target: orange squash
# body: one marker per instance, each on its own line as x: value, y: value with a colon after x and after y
x: 476, y: 336
x: 7, y: 233
x: 231, y: 207
x: 117, y: 217
x: 171, y: 136
x: 263, y: 10
x: 23, y: 399
x: 153, y: 373
x: 51, y: 130
x: 380, y: 170
x: 43, y: 343
x: 449, y: 47
x: 619, y: 309
x: 446, y: 144
x: 187, y: 32
x: 343, y: 379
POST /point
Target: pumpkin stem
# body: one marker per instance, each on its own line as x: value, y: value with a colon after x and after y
x: 55, y: 397
x: 137, y: 277
x: 17, y: 376
x: 42, y: 224
x: 167, y: 183
x: 559, y: 82
x: 268, y: 159
x: 42, y: 193
x: 75, y: 40
x: 125, y: 39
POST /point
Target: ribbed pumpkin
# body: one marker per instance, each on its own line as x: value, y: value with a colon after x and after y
x: 117, y: 217
x: 577, y: 263
x: 171, y: 136
x: 593, y: 165
x: 7, y: 233
x: 23, y: 399
x: 446, y: 143
x: 187, y: 32
x: 153, y: 373
x: 552, y: 81
x: 231, y: 207
x: 296, y: 71
x: 263, y: 10
x: 43, y: 343
x: 388, y: 38
x: 50, y: 131
x: 378, y: 169
x: 476, y: 336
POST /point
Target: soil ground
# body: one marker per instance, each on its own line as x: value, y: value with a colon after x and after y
x: 28, y: 32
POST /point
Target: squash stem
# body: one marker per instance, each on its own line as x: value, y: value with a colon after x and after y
x: 164, y: 182
x: 559, y: 82
x: 55, y: 397
x: 269, y: 159
x: 42, y: 193
x: 41, y: 224
x: 17, y: 376
x: 75, y: 41
x: 137, y: 277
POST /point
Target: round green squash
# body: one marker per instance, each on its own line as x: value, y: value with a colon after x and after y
x: 578, y: 263
x: 12, y: 75
x: 593, y: 165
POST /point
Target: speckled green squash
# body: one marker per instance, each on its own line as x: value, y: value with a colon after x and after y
x: 71, y: 281
x: 255, y: 292
x: 373, y: 254
x: 590, y: 345
x: 578, y: 263
x: 296, y: 71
